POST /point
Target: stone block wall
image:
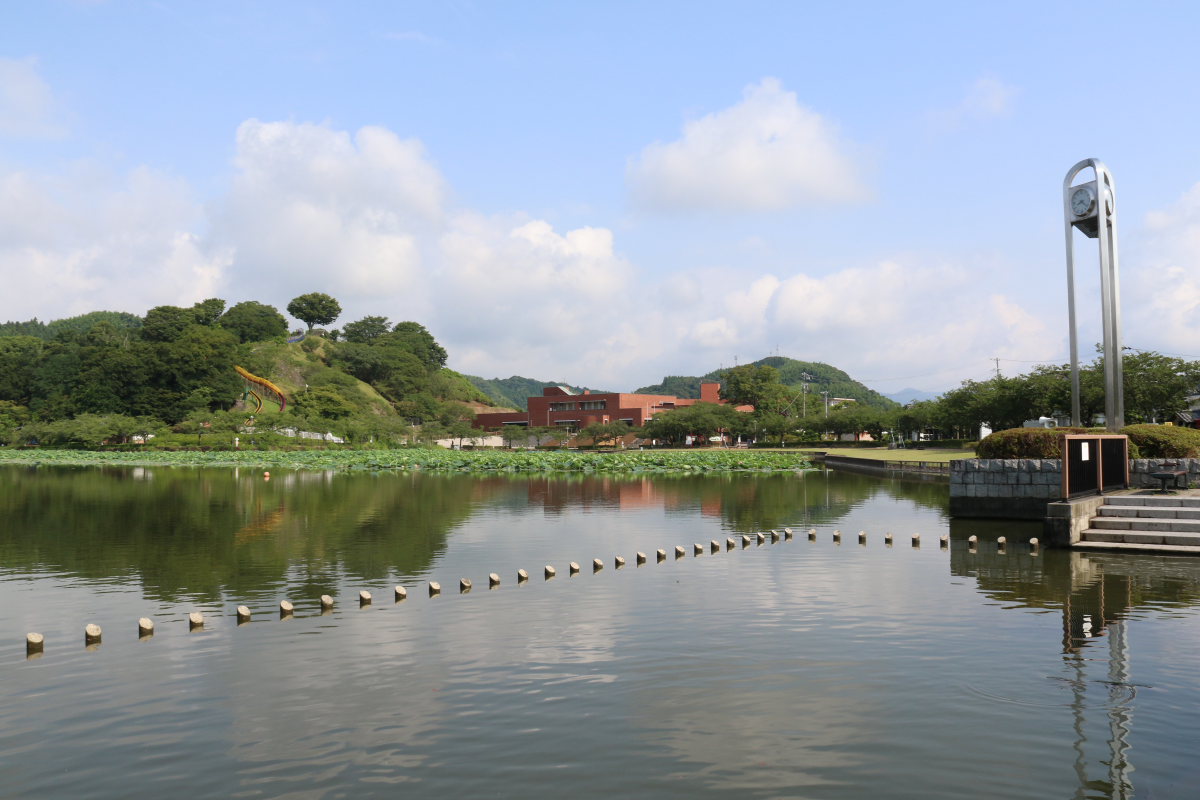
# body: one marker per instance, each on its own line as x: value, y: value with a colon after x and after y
x: 1025, y: 478
x: 1139, y: 469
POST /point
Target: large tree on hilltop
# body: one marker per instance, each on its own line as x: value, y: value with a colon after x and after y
x: 314, y: 308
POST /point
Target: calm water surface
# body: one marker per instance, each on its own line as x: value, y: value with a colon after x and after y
x: 799, y: 669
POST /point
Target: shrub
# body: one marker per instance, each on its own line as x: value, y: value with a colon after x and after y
x: 1021, y: 443
x: 1163, y: 441
x: 1043, y: 442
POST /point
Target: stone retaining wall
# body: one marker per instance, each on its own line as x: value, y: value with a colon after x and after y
x: 1004, y: 488
x: 1140, y: 467
x: 1020, y: 488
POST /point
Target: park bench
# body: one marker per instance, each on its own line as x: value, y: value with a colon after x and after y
x: 1170, y: 473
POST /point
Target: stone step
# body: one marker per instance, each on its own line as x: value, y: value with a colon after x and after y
x: 1141, y: 524
x: 1152, y: 512
x: 1134, y: 547
x: 1161, y: 501
x: 1141, y: 537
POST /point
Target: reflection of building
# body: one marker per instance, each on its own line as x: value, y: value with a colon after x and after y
x: 559, y: 406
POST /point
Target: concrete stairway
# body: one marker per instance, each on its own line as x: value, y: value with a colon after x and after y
x: 1145, y: 523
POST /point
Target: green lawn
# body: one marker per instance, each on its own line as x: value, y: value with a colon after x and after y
x: 899, y: 455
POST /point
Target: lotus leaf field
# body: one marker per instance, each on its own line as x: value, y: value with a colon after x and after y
x: 484, y: 461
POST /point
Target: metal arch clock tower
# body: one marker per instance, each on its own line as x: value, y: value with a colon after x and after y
x: 1091, y: 207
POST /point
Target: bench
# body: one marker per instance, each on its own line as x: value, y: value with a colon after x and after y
x: 1170, y: 473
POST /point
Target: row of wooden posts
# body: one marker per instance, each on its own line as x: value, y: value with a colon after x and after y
x: 35, y: 642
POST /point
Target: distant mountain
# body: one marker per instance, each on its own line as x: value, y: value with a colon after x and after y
x: 824, y: 379
x: 513, y: 392
x: 906, y: 396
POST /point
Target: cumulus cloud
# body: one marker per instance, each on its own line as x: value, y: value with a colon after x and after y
x: 766, y: 152
x: 1170, y: 244
x: 985, y: 97
x: 369, y: 218
x: 309, y: 205
x: 90, y: 240
x: 27, y: 107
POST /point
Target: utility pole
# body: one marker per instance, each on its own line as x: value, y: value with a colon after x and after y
x: 826, y: 396
x: 804, y: 378
x: 997, y: 366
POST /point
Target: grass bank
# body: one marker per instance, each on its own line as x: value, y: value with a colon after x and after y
x: 432, y: 460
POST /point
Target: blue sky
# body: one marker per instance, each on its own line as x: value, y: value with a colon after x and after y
x: 609, y: 193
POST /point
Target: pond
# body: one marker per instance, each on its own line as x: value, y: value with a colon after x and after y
x: 801, y: 668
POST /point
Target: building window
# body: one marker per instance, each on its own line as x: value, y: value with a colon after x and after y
x: 591, y: 405
x: 562, y: 406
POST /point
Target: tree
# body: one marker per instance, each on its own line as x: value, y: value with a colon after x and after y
x: 420, y: 343
x: 365, y: 330
x: 602, y: 432
x: 208, y: 311
x: 167, y: 323
x: 254, y: 322
x: 752, y: 386
x: 314, y: 308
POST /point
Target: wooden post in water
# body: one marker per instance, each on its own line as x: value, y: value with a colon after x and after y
x: 641, y: 558
x: 243, y: 615
x: 285, y: 609
x: 326, y: 602
x: 662, y: 555
x: 679, y: 553
x: 364, y: 598
x: 573, y: 568
x: 464, y: 585
x: 435, y: 588
x: 493, y: 580
x: 145, y: 627
x: 597, y: 565
x: 195, y: 621
x: 549, y: 572
x: 522, y: 576
x: 401, y: 593
x: 34, y: 642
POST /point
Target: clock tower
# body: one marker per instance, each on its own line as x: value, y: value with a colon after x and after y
x: 1091, y: 207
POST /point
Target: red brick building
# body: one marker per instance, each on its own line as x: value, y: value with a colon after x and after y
x: 559, y: 407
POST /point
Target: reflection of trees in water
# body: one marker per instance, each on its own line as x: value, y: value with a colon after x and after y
x: 1096, y: 594
x: 746, y: 503
x: 204, y: 532
x: 201, y: 532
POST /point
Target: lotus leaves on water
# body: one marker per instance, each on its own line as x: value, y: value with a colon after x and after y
x: 477, y: 461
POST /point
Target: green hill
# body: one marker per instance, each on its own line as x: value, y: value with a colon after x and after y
x: 513, y: 392
x: 825, y: 379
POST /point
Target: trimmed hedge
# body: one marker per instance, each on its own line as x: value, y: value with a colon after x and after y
x: 1043, y: 442
x: 1163, y: 441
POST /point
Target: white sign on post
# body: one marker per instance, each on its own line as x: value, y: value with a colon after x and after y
x: 1084, y: 450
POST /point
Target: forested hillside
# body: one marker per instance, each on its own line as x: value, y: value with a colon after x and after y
x: 175, y: 367
x: 825, y: 378
x: 513, y: 392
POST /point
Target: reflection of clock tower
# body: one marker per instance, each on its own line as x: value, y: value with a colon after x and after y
x: 1091, y: 207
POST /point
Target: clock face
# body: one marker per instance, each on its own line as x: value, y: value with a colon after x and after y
x: 1081, y: 202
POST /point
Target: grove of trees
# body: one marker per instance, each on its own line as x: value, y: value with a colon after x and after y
x: 119, y: 378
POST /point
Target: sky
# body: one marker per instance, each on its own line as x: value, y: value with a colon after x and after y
x: 608, y: 193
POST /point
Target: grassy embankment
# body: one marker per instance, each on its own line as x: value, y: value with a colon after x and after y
x: 431, y: 460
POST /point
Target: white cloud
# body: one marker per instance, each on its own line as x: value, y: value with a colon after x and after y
x: 88, y: 240
x: 1156, y: 316
x: 766, y: 152
x: 368, y: 218
x: 312, y: 206
x: 985, y: 97
x: 27, y: 108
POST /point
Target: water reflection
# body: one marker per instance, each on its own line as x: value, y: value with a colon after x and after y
x: 802, y: 669
x: 204, y: 533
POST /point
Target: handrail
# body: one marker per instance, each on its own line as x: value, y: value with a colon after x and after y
x: 266, y: 384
